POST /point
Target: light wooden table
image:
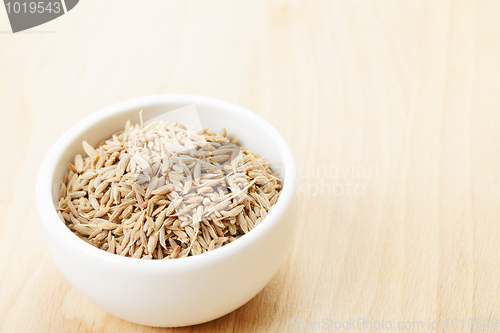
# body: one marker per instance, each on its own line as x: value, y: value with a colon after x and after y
x: 404, y: 93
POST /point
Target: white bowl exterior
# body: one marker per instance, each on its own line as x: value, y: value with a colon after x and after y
x: 183, y: 291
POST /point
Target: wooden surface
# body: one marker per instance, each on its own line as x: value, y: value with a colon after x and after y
x: 405, y: 93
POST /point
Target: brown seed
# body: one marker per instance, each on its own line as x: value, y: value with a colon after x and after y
x: 163, y: 191
x: 90, y: 151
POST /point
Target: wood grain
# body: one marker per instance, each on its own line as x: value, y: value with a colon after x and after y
x: 403, y: 93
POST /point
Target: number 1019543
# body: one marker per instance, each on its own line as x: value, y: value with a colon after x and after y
x: 33, y: 7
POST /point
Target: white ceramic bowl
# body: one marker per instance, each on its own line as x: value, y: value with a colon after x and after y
x: 183, y: 291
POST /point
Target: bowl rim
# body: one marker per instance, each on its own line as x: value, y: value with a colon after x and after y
x: 52, y: 223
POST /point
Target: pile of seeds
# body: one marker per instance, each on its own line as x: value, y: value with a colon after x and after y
x: 166, y: 191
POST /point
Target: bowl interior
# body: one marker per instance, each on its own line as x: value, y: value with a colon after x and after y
x: 253, y: 132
